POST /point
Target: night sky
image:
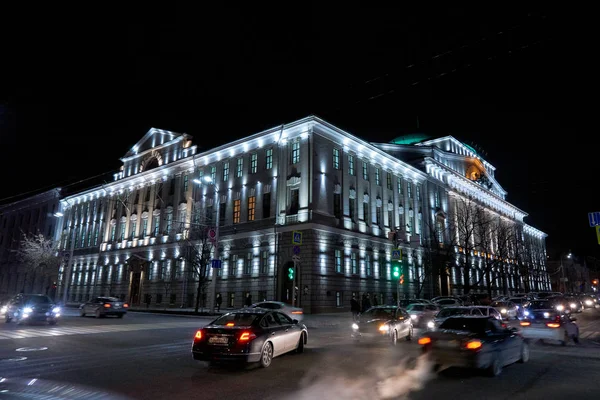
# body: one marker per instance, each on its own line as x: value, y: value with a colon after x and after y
x: 83, y: 86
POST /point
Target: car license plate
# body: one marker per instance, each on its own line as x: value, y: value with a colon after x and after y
x: 448, y: 343
x: 218, y: 340
x: 117, y: 305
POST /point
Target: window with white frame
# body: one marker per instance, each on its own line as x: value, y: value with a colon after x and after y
x: 269, y: 159
x: 353, y: 263
x: 351, y: 170
x: 236, y: 211
x: 240, y: 167
x: 253, y: 163
x: 365, y: 171
x: 336, y: 159
x: 264, y: 262
x: 225, y: 171
x: 377, y: 177
x: 368, y: 269
x: 295, y: 159
x: 338, y: 260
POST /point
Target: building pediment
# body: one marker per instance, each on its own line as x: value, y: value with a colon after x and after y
x: 155, y: 138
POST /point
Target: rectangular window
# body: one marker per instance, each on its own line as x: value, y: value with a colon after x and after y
x: 264, y: 262
x: 377, y: 177
x: 368, y: 269
x: 378, y: 215
x: 336, y: 159
x: 353, y: 263
x: 337, y: 205
x: 209, y: 214
x: 295, y: 152
x: 390, y: 218
x: 180, y: 223
x: 294, y: 201
x: 83, y: 237
x: 338, y: 261
x: 269, y: 159
x: 147, y: 198
x: 122, y: 236
x: 156, y: 225
x: 172, y: 187
x: 185, y: 185
x: 132, y: 233
x: 253, y: 163
x: 339, y: 301
x: 409, y: 189
x: 225, y: 171
x: 351, y: 170
x: 251, y: 207
x: 440, y: 232
x: 222, y: 211
x: 400, y: 185
x: 144, y: 227
x: 352, y: 209
x: 169, y: 223
x: 96, y: 233
x: 266, y: 205
x: 231, y: 299
x: 365, y: 171
x: 248, y: 265
x: 436, y: 199
x: 366, y: 216
x: 418, y: 193
x: 410, y: 224
x: 236, y: 211
x: 233, y: 265
x: 113, y: 233
x: 240, y: 168
x: 262, y: 295
x: 213, y: 174
x: 389, y: 180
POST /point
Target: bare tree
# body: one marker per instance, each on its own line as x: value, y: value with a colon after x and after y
x: 196, y: 250
x: 463, y: 231
x: 168, y: 280
x: 38, y: 254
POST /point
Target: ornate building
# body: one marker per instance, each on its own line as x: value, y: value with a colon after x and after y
x: 352, y: 201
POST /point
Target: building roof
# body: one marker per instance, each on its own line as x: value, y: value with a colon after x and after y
x: 410, y: 138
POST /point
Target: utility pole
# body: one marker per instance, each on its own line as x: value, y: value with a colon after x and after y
x: 213, y: 282
x: 69, y: 265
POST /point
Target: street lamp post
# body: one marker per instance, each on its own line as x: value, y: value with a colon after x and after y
x: 69, y: 266
x: 562, y: 268
x: 213, y: 282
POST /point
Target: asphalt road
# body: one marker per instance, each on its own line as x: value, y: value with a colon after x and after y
x: 147, y: 356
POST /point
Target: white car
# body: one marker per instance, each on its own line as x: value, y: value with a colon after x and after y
x: 291, y: 311
x: 550, y: 325
x: 421, y: 313
x: 488, y: 311
x: 507, y: 309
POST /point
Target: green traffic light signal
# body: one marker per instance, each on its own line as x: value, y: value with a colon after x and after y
x: 396, y: 270
x: 291, y: 273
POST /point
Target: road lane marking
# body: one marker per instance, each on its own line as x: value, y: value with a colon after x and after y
x: 65, y: 331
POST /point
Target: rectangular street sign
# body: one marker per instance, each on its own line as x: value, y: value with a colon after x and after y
x: 397, y: 254
x: 216, y: 263
x: 594, y: 218
x: 297, y: 238
x: 296, y: 249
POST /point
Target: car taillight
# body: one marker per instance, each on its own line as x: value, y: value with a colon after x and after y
x: 553, y: 325
x: 246, y: 336
x: 424, y: 340
x: 525, y: 323
x: 297, y: 312
x: 126, y: 305
x: 473, y: 344
x: 229, y: 324
x: 198, y: 335
x: 106, y: 305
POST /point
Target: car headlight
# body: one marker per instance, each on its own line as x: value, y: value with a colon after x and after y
x: 546, y: 315
x: 526, y: 313
x: 430, y: 325
x: 3, y: 309
x: 573, y: 305
x: 384, y: 328
x: 56, y: 310
x: 503, y: 311
x: 414, y: 316
x: 354, y: 326
x: 27, y: 310
x: 587, y: 303
x: 560, y: 307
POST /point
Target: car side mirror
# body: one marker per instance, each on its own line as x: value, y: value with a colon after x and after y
x: 294, y: 321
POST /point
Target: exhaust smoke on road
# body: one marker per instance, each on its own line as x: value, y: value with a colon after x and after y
x: 384, y: 382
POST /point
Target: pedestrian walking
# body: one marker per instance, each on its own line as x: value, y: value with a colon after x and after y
x: 219, y: 301
x: 248, y: 300
x: 354, y: 308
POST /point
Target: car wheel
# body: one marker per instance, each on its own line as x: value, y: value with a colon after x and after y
x: 98, y: 314
x: 267, y: 355
x: 576, y: 339
x: 300, y: 348
x: 8, y: 319
x: 524, y: 353
x: 496, y: 368
x: 120, y: 315
x: 565, y: 340
x: 410, y: 334
x: 82, y: 313
x: 394, y: 341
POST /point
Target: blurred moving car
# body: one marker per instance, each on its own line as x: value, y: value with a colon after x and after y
x: 448, y: 302
x: 475, y: 342
x: 4, y: 305
x: 587, y: 300
x: 249, y: 335
x: 100, y: 307
x: 575, y: 305
x: 421, y: 313
x: 550, y: 325
x: 32, y: 308
x: 383, y: 323
x: 488, y: 311
x: 448, y: 312
x: 288, y: 309
x: 508, y: 309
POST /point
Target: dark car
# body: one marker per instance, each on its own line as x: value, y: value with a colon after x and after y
x: 475, y: 342
x: 249, y: 335
x: 383, y: 323
x: 32, y: 308
x: 103, y: 306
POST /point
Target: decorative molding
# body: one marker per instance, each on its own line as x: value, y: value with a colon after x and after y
x: 352, y: 193
x: 182, y: 206
x: 365, y: 198
x: 133, y: 217
x: 145, y: 215
x: 224, y: 198
x: 237, y: 196
x: 400, y: 209
x: 252, y: 192
x: 293, y: 181
x: 266, y: 189
x: 337, y: 189
x: 390, y: 206
x: 156, y: 212
x: 113, y: 221
x: 378, y: 201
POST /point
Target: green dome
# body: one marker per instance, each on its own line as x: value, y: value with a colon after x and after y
x: 410, y: 138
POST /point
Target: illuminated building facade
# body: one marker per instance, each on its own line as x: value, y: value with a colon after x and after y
x: 346, y: 196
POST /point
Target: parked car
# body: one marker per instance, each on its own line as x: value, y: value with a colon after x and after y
x: 103, y: 306
x: 475, y: 342
x: 381, y: 324
x: 24, y: 308
x: 288, y: 309
x: 249, y: 335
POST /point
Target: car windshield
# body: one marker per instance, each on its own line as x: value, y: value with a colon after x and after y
x: 109, y: 299
x: 465, y: 324
x: 501, y: 304
x: 416, y: 307
x: 539, y: 305
x: 37, y: 299
x: 518, y: 300
x: 448, y: 312
x: 379, y: 313
x: 237, y: 319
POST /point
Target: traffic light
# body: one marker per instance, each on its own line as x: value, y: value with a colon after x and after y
x: 595, y: 281
x: 402, y: 279
x: 396, y: 269
x: 291, y: 273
